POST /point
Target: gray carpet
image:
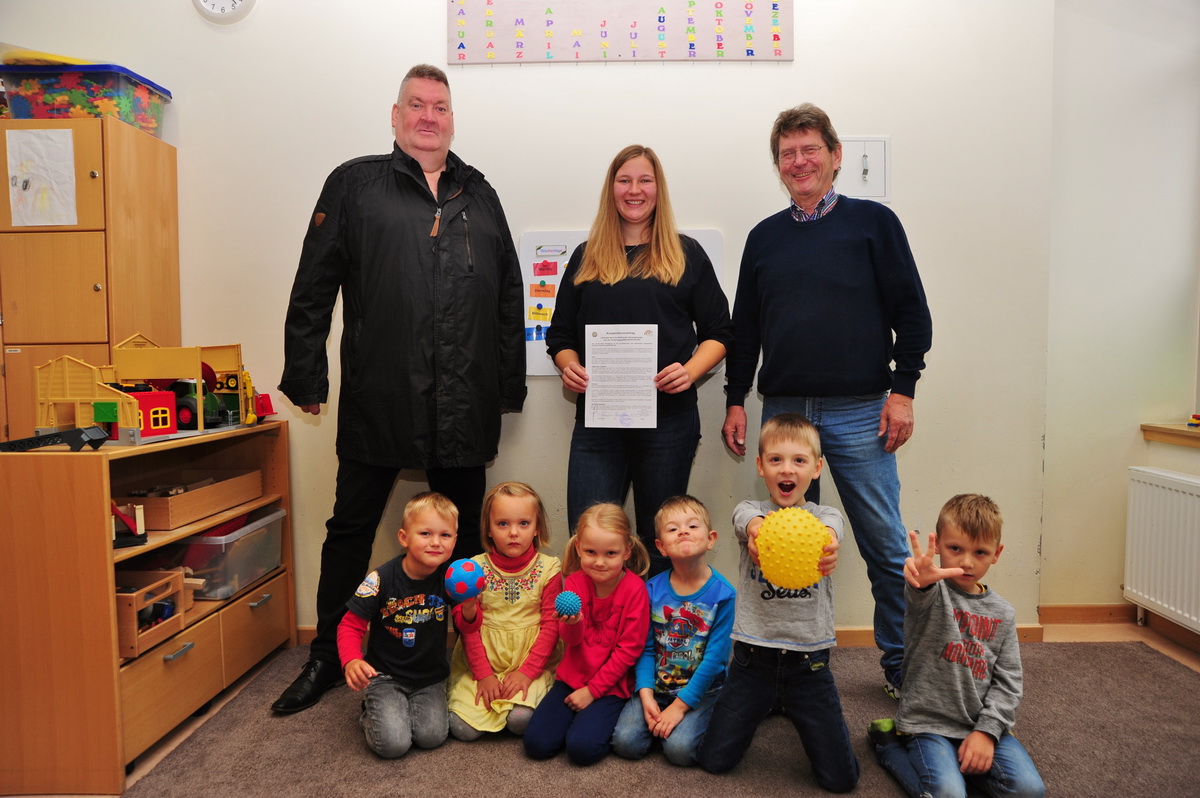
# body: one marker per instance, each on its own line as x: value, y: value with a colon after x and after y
x: 1098, y: 718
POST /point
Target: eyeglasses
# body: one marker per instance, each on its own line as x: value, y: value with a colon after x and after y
x: 790, y: 156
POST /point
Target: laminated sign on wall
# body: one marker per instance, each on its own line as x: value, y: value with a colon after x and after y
x: 558, y: 31
x: 544, y: 256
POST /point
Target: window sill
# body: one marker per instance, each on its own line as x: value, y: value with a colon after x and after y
x: 1177, y: 434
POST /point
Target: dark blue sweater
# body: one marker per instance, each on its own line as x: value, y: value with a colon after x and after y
x: 831, y: 304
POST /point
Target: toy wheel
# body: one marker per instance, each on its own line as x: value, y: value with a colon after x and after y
x: 231, y: 382
x: 185, y: 412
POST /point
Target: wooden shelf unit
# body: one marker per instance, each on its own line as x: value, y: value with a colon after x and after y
x: 74, y: 713
x: 79, y: 289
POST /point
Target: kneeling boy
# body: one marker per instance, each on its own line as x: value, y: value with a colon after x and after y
x: 677, y: 677
x: 403, y: 604
x: 962, y: 667
x: 782, y: 637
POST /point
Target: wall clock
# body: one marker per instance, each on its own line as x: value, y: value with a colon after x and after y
x: 223, y: 12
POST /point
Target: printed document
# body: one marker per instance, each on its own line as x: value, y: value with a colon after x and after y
x: 621, y: 360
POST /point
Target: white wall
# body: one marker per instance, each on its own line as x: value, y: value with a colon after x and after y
x: 264, y: 109
x: 1123, y: 290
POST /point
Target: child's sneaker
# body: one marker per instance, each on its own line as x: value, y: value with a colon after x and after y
x: 891, y: 682
x: 883, y: 732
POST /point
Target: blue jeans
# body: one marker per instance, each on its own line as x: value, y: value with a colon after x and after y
x: 585, y: 734
x: 656, y: 462
x: 869, y: 486
x: 803, y: 683
x: 632, y: 738
x: 394, y: 718
x: 927, y: 765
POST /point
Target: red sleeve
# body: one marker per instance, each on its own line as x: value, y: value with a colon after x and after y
x: 350, y: 635
x: 631, y: 637
x: 473, y: 650
x: 543, y: 646
x: 461, y: 623
x: 572, y: 635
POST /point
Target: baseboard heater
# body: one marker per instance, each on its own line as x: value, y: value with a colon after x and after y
x: 1162, y: 545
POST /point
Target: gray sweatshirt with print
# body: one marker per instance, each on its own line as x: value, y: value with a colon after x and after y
x: 776, y: 617
x: 962, y: 665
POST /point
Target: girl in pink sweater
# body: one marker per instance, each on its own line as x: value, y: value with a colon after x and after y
x: 604, y: 563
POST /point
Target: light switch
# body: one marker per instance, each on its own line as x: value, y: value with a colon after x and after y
x: 866, y: 167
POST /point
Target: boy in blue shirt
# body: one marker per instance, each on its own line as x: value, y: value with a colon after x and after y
x: 691, y: 613
x: 782, y: 637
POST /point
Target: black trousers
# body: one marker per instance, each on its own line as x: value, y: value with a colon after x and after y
x: 361, y: 497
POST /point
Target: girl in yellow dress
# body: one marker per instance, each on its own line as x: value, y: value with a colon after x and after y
x: 504, y: 660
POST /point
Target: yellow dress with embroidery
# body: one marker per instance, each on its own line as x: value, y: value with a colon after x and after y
x: 512, y: 617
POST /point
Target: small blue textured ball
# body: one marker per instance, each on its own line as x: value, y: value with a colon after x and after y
x: 464, y: 579
x: 567, y: 604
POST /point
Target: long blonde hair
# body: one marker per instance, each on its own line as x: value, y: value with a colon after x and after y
x: 609, y: 518
x: 604, y: 257
x: 514, y: 490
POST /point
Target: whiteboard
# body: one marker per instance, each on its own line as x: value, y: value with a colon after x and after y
x: 544, y: 255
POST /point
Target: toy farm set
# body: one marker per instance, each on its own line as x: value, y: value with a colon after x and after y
x: 150, y: 392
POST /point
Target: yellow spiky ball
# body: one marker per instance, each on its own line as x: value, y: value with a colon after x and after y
x: 790, y: 541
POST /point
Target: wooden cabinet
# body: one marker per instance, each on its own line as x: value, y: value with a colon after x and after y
x: 74, y: 712
x: 113, y: 273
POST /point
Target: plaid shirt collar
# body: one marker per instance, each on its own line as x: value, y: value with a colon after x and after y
x: 824, y: 206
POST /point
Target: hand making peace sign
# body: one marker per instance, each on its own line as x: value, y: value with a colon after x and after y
x: 919, y: 569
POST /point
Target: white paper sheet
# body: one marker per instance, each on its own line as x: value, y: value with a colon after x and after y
x: 622, y: 360
x: 41, y: 177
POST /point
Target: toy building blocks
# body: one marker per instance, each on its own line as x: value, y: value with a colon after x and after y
x: 149, y: 391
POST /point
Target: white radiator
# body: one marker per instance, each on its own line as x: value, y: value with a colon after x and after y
x: 1162, y: 544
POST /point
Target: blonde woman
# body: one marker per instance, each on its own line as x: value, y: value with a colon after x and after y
x: 636, y: 268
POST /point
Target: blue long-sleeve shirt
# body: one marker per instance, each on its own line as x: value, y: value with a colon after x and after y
x: 688, y: 644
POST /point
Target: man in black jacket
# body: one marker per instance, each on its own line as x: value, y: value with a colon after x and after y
x: 433, y: 344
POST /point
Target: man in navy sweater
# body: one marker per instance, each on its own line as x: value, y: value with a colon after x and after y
x: 829, y: 293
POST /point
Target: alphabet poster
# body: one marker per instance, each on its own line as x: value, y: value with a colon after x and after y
x: 617, y: 31
x: 544, y: 256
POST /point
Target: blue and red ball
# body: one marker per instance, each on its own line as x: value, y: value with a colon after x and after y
x: 464, y: 579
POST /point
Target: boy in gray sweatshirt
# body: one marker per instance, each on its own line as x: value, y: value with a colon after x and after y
x: 962, y: 667
x: 781, y: 636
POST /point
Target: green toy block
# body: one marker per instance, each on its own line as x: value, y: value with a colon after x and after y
x: 104, y: 411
